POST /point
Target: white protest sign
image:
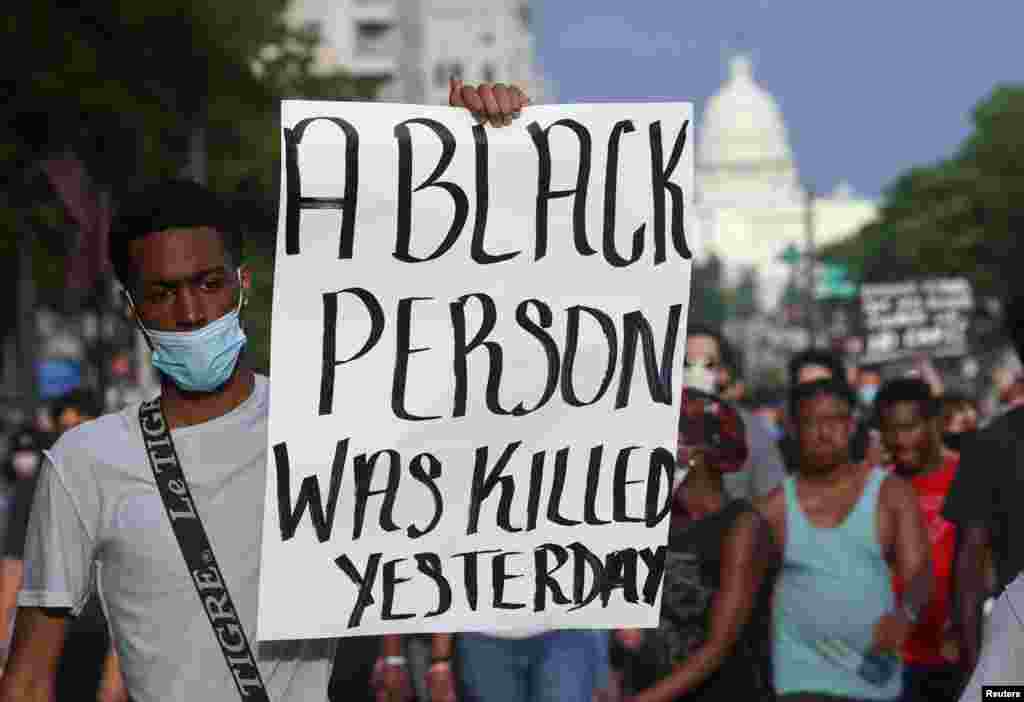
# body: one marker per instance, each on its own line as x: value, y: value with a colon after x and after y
x: 477, y: 347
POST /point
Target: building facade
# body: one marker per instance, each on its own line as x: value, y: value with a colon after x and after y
x: 750, y: 200
x: 416, y: 45
x: 751, y: 205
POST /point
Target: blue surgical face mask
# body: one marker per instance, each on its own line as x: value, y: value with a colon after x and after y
x: 200, y: 360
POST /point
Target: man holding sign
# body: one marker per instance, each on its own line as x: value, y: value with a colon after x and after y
x: 184, y: 631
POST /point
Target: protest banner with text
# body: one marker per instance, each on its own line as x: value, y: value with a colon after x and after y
x: 477, y: 347
x: 912, y: 318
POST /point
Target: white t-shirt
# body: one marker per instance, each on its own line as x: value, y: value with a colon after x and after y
x: 97, y: 502
x: 1002, y: 654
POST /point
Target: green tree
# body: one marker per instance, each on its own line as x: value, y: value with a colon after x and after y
x: 707, y: 299
x: 746, y: 304
x: 124, y: 84
x: 960, y: 216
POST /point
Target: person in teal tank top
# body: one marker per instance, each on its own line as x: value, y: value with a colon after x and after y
x: 842, y: 530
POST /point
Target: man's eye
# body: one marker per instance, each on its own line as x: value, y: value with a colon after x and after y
x: 213, y: 283
x: 159, y: 295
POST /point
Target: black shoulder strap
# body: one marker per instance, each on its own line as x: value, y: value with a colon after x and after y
x: 198, y: 553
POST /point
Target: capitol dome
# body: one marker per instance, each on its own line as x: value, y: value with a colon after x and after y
x: 742, y: 124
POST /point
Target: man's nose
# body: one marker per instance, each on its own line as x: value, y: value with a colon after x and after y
x: 902, y: 440
x: 189, y: 313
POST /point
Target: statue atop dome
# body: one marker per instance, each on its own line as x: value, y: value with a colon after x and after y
x: 749, y: 199
x: 743, y: 127
x: 743, y: 153
x: 741, y: 68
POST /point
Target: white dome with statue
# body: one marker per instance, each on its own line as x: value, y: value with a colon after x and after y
x: 750, y: 203
x: 743, y: 153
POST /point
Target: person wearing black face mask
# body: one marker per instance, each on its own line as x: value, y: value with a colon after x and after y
x: 764, y: 469
x: 959, y: 420
x: 715, y: 607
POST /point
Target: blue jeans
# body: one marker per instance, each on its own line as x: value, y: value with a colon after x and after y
x: 557, y: 666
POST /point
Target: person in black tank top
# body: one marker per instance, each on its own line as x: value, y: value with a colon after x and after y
x: 710, y: 642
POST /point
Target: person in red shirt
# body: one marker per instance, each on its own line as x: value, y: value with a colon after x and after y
x: 910, y: 418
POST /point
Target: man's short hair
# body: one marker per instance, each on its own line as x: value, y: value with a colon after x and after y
x: 907, y: 390
x: 169, y: 204
x: 815, y: 357
x: 834, y: 387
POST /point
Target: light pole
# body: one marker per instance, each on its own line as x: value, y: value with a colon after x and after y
x: 810, y: 258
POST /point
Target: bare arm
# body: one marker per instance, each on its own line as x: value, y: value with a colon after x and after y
x: 10, y: 582
x: 910, y: 550
x: 440, y: 680
x: 970, y: 588
x: 112, y: 688
x: 772, y: 508
x: 394, y: 684
x: 391, y: 645
x: 741, y: 578
x: 440, y: 646
x: 38, y: 641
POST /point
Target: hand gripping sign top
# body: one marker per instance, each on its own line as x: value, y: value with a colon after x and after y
x: 475, y: 335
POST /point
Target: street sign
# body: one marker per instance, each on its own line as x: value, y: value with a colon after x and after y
x: 832, y: 281
x: 791, y: 255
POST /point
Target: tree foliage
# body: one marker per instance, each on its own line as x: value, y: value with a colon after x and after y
x: 746, y: 304
x: 963, y: 215
x: 124, y: 84
x: 707, y: 299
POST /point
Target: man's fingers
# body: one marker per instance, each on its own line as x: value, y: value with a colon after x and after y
x: 520, y: 98
x: 455, y: 92
x: 503, y: 94
x: 486, y: 92
x: 491, y: 104
x: 471, y: 99
x: 497, y: 103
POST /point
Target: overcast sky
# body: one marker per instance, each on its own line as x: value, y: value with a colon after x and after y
x: 866, y: 88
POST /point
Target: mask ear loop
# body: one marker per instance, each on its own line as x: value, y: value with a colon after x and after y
x: 138, y: 320
x: 241, y: 290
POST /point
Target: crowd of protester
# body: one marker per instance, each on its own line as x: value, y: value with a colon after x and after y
x: 794, y: 547
x: 854, y: 555
x: 839, y: 538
